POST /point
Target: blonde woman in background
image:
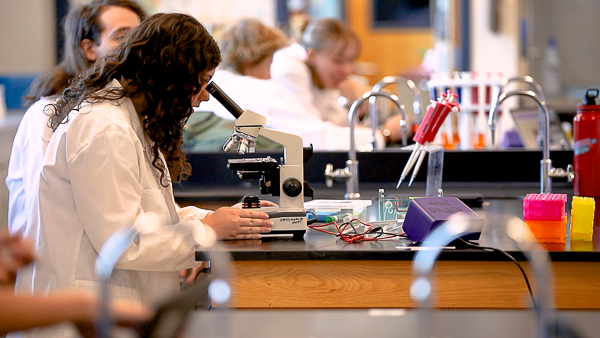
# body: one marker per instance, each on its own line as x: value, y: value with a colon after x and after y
x: 247, y: 49
x: 316, y: 71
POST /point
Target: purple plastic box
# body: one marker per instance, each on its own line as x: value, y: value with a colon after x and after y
x: 427, y: 213
x: 544, y: 207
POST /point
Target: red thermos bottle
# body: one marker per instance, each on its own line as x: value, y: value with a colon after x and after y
x: 586, y: 152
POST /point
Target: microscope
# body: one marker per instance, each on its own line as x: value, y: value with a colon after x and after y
x: 285, y: 179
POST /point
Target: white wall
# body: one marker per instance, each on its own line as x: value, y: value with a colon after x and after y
x: 216, y: 15
x: 27, y: 36
x: 495, y: 51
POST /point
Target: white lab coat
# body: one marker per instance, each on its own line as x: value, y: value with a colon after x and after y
x: 290, y: 70
x: 96, y: 178
x: 26, y: 157
x: 285, y: 111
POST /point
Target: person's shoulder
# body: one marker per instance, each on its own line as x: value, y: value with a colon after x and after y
x: 38, y: 112
x: 223, y: 75
x: 40, y: 105
x: 101, y: 116
x: 293, y: 50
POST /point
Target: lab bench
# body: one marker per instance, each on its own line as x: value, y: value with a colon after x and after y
x: 322, y: 272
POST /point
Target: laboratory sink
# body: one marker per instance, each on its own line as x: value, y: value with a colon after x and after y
x: 469, y: 175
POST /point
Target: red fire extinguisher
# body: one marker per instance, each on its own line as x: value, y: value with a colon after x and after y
x: 586, y: 150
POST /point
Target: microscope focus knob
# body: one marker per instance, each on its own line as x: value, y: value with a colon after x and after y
x: 250, y: 202
x: 292, y: 187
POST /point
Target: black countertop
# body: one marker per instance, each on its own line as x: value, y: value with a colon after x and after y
x: 321, y: 246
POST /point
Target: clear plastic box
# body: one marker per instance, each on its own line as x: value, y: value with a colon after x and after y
x: 355, y: 208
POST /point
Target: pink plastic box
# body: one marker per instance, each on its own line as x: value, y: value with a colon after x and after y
x: 544, y: 207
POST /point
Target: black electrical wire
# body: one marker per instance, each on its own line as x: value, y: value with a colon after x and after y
x: 311, y: 221
x: 511, y: 258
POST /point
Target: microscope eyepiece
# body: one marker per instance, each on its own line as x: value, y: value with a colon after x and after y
x: 224, y: 99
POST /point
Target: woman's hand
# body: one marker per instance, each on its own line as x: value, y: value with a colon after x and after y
x: 191, y: 274
x: 352, y: 90
x: 393, y: 125
x: 84, y: 311
x: 14, y: 254
x: 234, y: 223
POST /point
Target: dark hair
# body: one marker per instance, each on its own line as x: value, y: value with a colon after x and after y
x: 82, y: 22
x: 162, y: 62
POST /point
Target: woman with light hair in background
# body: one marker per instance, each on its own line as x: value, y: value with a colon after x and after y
x: 316, y: 71
x: 247, y: 49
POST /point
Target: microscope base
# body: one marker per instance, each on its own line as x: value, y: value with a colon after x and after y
x: 286, y: 221
x: 297, y: 235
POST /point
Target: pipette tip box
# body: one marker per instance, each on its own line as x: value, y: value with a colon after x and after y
x: 427, y: 213
x: 546, y: 217
x: 544, y: 207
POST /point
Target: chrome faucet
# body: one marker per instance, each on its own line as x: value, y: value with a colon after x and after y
x: 350, y: 173
x: 387, y: 81
x: 546, y: 162
x: 540, y: 264
x: 528, y: 80
x: 500, y: 88
x: 421, y: 287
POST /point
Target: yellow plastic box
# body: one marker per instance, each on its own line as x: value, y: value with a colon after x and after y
x: 582, y: 218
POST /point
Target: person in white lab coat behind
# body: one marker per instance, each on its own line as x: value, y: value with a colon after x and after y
x: 91, y: 31
x: 115, y: 150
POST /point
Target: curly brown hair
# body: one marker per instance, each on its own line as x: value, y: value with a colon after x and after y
x: 162, y: 61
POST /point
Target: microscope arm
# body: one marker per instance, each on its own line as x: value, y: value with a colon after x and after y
x: 292, y: 145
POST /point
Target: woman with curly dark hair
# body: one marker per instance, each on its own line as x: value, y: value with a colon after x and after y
x: 115, y: 150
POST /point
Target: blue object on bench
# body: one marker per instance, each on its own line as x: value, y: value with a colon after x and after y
x: 16, y: 86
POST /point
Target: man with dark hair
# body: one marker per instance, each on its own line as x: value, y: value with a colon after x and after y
x: 91, y: 31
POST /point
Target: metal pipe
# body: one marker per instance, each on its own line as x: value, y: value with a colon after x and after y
x: 421, y: 288
x: 546, y: 163
x: 387, y: 81
x: 499, y: 89
x: 352, y: 163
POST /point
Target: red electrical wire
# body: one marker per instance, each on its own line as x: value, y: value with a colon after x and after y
x: 351, y: 238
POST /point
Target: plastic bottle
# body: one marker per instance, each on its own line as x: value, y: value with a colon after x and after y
x: 586, y: 150
x: 551, y: 69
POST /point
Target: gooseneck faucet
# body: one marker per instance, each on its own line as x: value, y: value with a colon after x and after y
x: 387, y: 81
x: 350, y: 173
x: 528, y: 80
x: 500, y: 88
x: 546, y: 162
x: 421, y: 288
